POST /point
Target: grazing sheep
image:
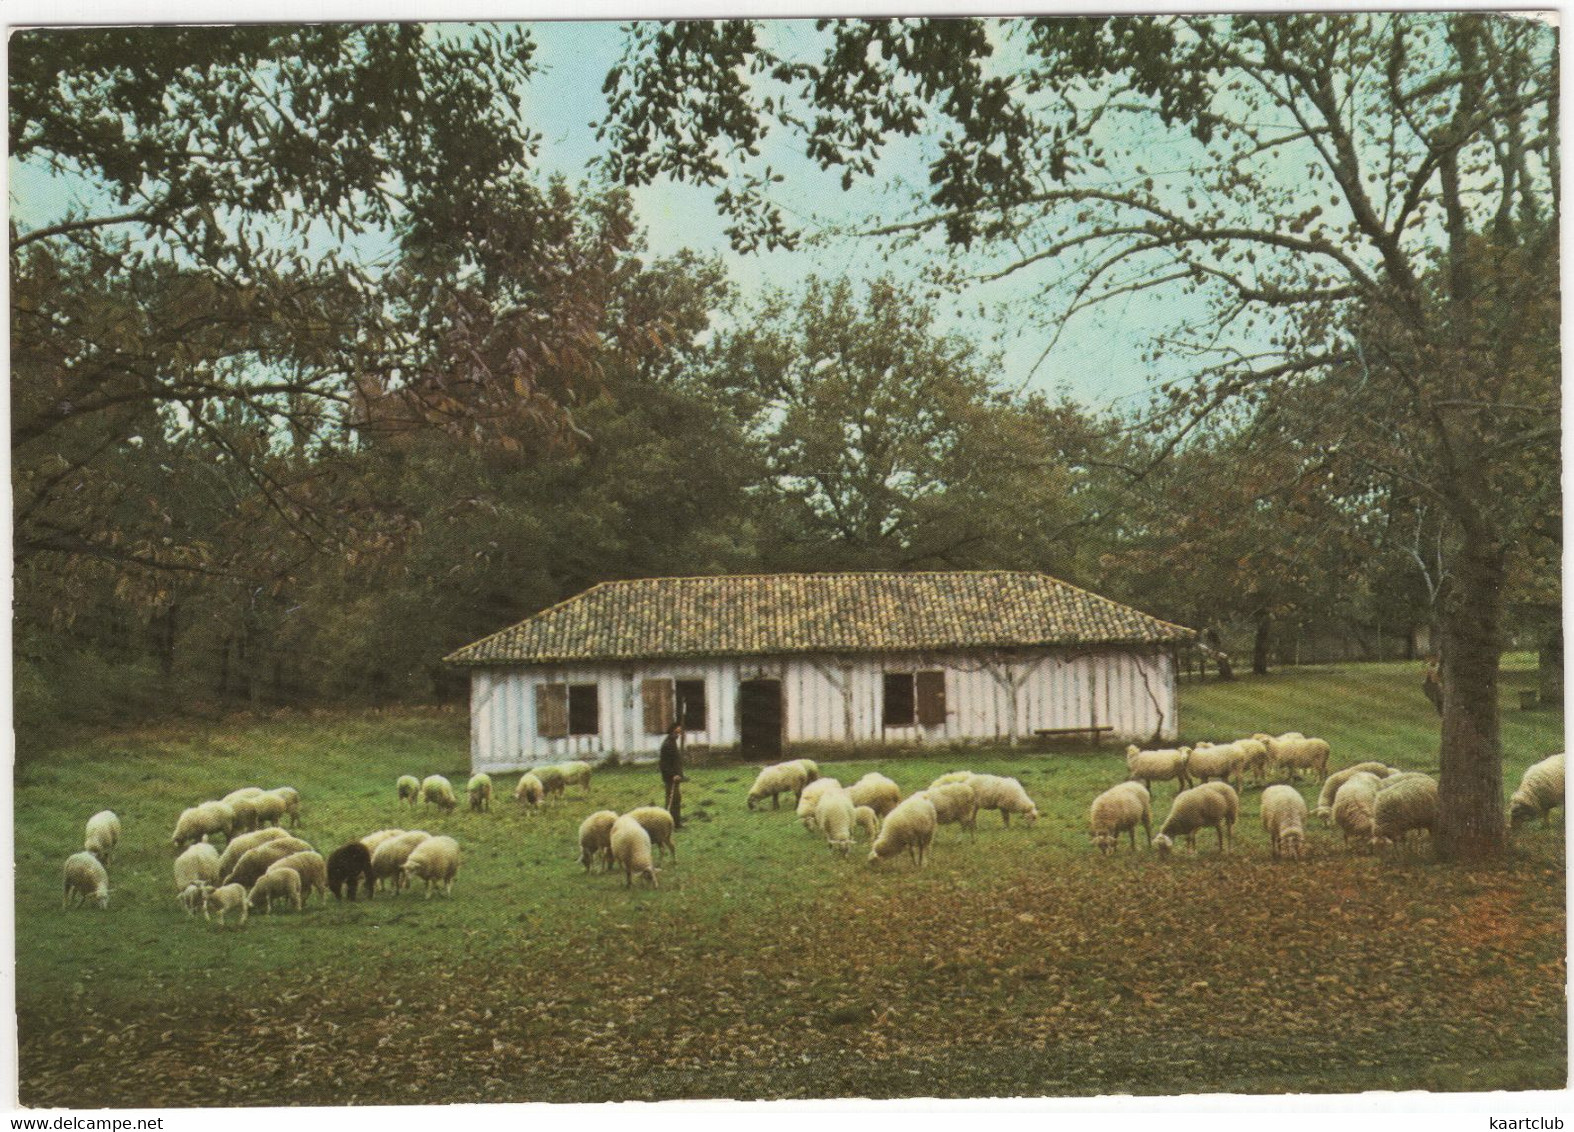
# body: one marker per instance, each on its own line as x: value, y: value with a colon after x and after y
x: 237, y: 847
x: 270, y: 808
x: 1405, y: 802
x: 254, y: 862
x: 480, y: 790
x: 1284, y: 817
x: 1214, y: 804
x: 1120, y: 809
x: 438, y: 791
x: 1540, y: 792
x: 1214, y: 760
x: 811, y: 769
x: 197, y: 823
x: 1355, y: 803
x: 276, y: 884
x: 313, y: 870
x: 530, y: 790
x: 1148, y: 767
x: 910, y: 826
x: 85, y: 879
x: 809, y: 799
x: 551, y: 778
x: 658, y: 823
x: 576, y: 774
x: 436, y: 861
x: 242, y: 792
x: 291, y: 798
x: 409, y: 788
x: 1331, y: 784
x: 778, y: 779
x: 834, y: 816
x: 995, y: 792
x: 1253, y: 759
x: 595, y: 839
x: 198, y: 863
x: 867, y: 820
x: 247, y: 815
x: 389, y: 857
x: 1294, y: 752
x: 194, y: 896
x: 955, y: 802
x: 631, y: 849
x: 348, y: 864
x: 225, y: 900
x: 102, y: 834
x: 877, y: 792
x: 373, y: 840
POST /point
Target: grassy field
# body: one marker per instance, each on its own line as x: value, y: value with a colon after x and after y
x: 1019, y: 963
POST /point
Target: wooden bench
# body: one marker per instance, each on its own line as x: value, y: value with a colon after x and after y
x: 1095, y: 733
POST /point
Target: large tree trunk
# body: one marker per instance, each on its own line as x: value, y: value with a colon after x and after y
x: 1260, y: 645
x: 1470, y: 825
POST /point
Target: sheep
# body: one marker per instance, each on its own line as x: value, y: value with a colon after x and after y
x: 1284, y: 817
x: 576, y: 774
x: 834, y: 815
x: 631, y: 849
x: 955, y: 802
x: 276, y: 884
x: 389, y: 857
x: 1325, y: 797
x: 876, y: 791
x: 778, y: 779
x: 811, y: 769
x: 1540, y: 792
x: 910, y: 826
x: 270, y: 808
x: 1354, y: 805
x: 551, y: 779
x: 1148, y: 767
x: 1209, y: 760
x: 952, y: 776
x: 225, y: 900
x: 373, y: 840
x: 349, y: 864
x: 1120, y: 809
x: 1252, y: 759
x: 1214, y: 804
x: 291, y: 798
x: 102, y: 834
x: 438, y: 791
x: 408, y: 787
x: 197, y: 823
x: 194, y: 896
x: 254, y: 862
x: 198, y: 863
x: 237, y: 847
x: 247, y: 816
x: 809, y: 799
x: 658, y: 823
x: 436, y: 861
x: 313, y: 870
x: 242, y: 792
x: 1405, y: 802
x: 994, y: 792
x: 480, y: 790
x: 85, y: 879
x: 595, y: 839
x: 867, y: 820
x: 1295, y: 753
x: 530, y: 790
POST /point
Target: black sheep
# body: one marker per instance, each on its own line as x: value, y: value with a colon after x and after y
x: 346, y: 864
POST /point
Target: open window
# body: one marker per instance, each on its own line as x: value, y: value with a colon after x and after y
x: 563, y: 710
x: 691, y: 704
x: 667, y: 700
x: 914, y: 697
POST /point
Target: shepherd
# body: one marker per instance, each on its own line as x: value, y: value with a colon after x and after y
x: 672, y: 772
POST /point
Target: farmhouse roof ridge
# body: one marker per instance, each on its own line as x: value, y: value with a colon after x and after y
x: 830, y: 612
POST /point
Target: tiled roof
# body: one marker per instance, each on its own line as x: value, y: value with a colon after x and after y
x: 771, y: 614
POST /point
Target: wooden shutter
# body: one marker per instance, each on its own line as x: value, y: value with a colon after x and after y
x: 657, y: 695
x: 930, y: 690
x: 552, y: 711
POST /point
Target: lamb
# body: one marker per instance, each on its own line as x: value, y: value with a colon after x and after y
x: 438, y: 791
x: 237, y: 847
x: 1284, y: 817
x: 225, y: 900
x: 530, y: 790
x: 595, y: 839
x: 276, y: 884
x: 910, y: 826
x: 409, y: 788
x: 955, y: 802
x: 778, y: 779
x: 102, y: 834
x: 1120, y: 809
x: 1331, y: 784
x: 994, y: 792
x: 834, y: 815
x: 348, y: 865
x: 1355, y: 803
x: 254, y: 862
x: 1214, y: 804
x: 1405, y: 802
x: 389, y: 857
x: 1148, y: 767
x: 85, y: 879
x: 575, y: 774
x: 436, y: 861
x: 313, y: 870
x: 199, y: 863
x: 809, y: 799
x: 480, y: 790
x: 631, y: 849
x: 194, y: 896
x: 657, y: 822
x: 1540, y: 792
x: 1295, y: 753
x: 867, y: 820
x: 197, y: 823
x: 876, y: 791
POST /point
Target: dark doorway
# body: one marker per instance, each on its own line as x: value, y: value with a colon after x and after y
x: 760, y: 718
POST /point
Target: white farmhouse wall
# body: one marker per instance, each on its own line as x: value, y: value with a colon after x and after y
x: 835, y: 700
